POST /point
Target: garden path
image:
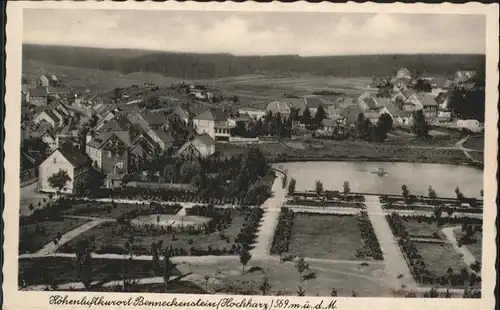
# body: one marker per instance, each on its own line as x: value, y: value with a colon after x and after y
x: 52, y: 247
x: 272, y: 208
x: 467, y: 256
x: 395, y: 261
x: 326, y: 210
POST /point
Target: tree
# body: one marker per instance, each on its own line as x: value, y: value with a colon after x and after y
x: 156, y: 257
x: 169, y: 174
x: 319, y: 116
x: 84, y: 263
x: 88, y: 182
x: 347, y: 189
x: 432, y: 195
x: 307, y: 118
x: 265, y: 286
x: 168, y: 267
x: 244, y: 259
x: 406, y: 192
x: 385, y: 90
x: 301, y: 265
x: 58, y: 180
x: 384, y: 125
x: 423, y: 85
x: 360, y: 125
x: 117, y: 148
x: 420, y: 126
x: 334, y: 293
x: 319, y: 188
x: 460, y: 196
x: 291, y: 187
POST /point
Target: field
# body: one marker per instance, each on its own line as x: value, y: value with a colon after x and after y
x: 475, y: 142
x: 438, y: 257
x: 475, y: 248
x: 34, y: 236
x: 106, y: 239
x: 325, y: 236
x: 45, y: 270
x: 422, y: 229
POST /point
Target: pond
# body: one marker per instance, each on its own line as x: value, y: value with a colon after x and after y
x: 363, y: 177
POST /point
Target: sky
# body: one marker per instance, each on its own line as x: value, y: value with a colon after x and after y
x: 258, y: 33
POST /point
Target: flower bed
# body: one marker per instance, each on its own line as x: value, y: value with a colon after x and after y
x: 371, y: 246
x: 283, y: 232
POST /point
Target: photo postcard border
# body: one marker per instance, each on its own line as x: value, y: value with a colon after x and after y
x: 41, y: 300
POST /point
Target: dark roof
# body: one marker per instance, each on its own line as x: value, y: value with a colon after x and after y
x: 441, y: 97
x: 395, y: 111
x: 164, y: 136
x: 351, y: 113
x: 205, y: 139
x: 73, y: 155
x: 313, y: 102
x: 213, y: 115
x: 154, y: 119
x: 118, y: 123
x: 100, y: 140
x: 181, y: 112
x: 52, y: 115
x: 370, y: 102
x: 39, y: 92
x: 426, y: 99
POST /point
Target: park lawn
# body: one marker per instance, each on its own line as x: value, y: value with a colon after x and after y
x: 106, y: 241
x: 103, y: 210
x: 475, y: 248
x: 174, y: 287
x: 30, y: 241
x: 325, y: 236
x: 422, y: 229
x: 227, y: 278
x: 438, y: 257
x: 42, y: 270
x: 475, y: 142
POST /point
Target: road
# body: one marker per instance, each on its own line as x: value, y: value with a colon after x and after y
x: 467, y: 256
x: 396, y: 263
x: 272, y: 208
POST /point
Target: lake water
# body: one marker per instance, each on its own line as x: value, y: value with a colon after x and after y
x: 418, y: 177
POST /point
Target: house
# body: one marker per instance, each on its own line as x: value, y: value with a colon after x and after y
x: 281, y: 107
x: 201, y: 146
x: 426, y: 102
x: 109, y: 151
x: 163, y: 138
x: 256, y: 114
x: 377, y: 82
x: 330, y: 124
x: 398, y: 116
x: 48, y: 139
x: 367, y: 102
x: 442, y: 100
x: 182, y: 113
x: 464, y: 75
x: 372, y: 116
x: 43, y: 81
x: 216, y: 123
x: 313, y: 103
x: 142, y: 147
x: 66, y: 158
x: 403, y: 73
x: 48, y: 117
x: 38, y: 96
x: 402, y: 83
x: 149, y: 120
x: 439, y: 85
x: 351, y: 114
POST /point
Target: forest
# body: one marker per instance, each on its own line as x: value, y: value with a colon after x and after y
x: 200, y: 66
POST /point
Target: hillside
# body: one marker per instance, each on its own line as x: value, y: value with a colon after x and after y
x: 200, y: 66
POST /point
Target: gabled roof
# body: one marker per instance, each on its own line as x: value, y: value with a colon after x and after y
x: 351, y: 113
x: 404, y: 81
x: 395, y: 111
x: 164, y: 136
x: 299, y: 104
x: 73, y: 155
x: 205, y: 139
x: 426, y: 99
x: 39, y: 92
x: 100, y: 140
x: 244, y: 117
x: 213, y: 115
x: 181, y: 112
x: 118, y: 123
x: 441, y: 98
x: 313, y: 102
x: 382, y: 101
x: 154, y: 119
x: 51, y: 114
x: 404, y: 71
x: 371, y: 115
x: 370, y: 103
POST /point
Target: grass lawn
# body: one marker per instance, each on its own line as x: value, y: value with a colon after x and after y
x: 475, y: 142
x: 475, y: 248
x: 422, y: 229
x: 107, y: 241
x: 31, y: 241
x: 438, y: 257
x: 102, y: 210
x: 325, y: 236
x: 43, y: 269
x: 174, y: 287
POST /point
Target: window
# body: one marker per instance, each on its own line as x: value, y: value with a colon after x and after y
x: 54, y: 160
x: 119, y: 165
x: 109, y: 155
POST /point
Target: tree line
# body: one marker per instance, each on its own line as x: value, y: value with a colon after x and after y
x: 195, y: 66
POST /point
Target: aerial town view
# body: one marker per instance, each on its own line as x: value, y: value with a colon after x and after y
x: 211, y: 165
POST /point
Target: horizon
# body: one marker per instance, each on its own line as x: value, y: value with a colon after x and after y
x: 307, y: 34
x: 150, y: 51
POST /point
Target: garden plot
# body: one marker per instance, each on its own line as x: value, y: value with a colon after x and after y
x: 325, y: 236
x: 34, y: 235
x: 212, y: 239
